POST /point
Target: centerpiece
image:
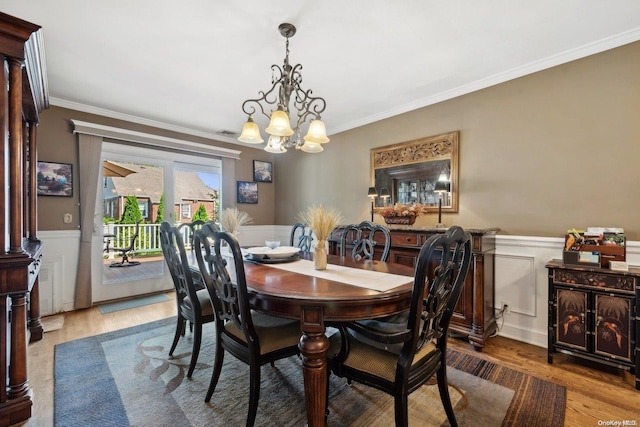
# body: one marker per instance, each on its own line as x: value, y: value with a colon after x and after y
x: 400, y: 214
x: 322, y: 221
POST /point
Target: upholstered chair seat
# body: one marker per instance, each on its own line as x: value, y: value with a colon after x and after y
x: 273, y: 332
x: 204, y: 300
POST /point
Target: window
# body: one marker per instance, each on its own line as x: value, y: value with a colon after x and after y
x: 186, y: 210
x: 144, y: 209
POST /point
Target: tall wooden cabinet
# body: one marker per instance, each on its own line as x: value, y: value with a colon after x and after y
x: 474, y: 317
x: 22, y: 97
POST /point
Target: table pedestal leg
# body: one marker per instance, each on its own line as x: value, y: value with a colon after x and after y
x: 313, y: 347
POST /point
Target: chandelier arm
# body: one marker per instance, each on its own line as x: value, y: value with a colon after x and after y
x: 249, y: 106
x: 308, y: 105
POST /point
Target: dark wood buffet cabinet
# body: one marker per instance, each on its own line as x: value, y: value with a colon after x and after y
x: 474, y: 317
x: 593, y: 315
x: 23, y: 96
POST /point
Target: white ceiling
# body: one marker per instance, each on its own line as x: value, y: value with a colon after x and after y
x: 188, y: 66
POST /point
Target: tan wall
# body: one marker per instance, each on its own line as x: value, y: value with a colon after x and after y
x: 540, y: 154
x: 57, y: 143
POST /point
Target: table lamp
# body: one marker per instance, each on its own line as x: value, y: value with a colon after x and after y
x: 373, y: 194
x: 442, y: 186
x: 384, y: 193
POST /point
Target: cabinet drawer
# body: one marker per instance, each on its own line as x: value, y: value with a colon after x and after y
x: 614, y: 282
x: 405, y: 239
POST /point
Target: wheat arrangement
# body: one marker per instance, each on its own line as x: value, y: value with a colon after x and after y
x: 321, y: 220
x: 231, y: 219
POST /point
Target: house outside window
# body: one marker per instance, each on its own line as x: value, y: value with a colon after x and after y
x: 186, y: 210
x: 144, y: 209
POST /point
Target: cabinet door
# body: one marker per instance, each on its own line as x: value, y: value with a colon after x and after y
x: 571, y: 318
x: 407, y: 257
x: 614, y: 326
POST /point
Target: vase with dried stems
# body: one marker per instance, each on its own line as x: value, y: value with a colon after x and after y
x: 231, y: 219
x: 322, y: 221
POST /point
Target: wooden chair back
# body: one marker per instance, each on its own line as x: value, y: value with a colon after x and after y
x: 364, y: 238
x: 301, y: 237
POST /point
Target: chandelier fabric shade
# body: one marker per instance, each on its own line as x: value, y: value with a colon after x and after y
x: 286, y: 103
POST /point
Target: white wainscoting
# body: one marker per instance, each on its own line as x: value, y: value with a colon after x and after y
x: 520, y: 275
x: 59, y: 269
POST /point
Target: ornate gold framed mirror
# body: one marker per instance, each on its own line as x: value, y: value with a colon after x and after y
x: 409, y: 172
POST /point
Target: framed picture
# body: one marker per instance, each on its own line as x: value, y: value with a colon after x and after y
x: 262, y: 171
x: 247, y: 192
x: 55, y: 179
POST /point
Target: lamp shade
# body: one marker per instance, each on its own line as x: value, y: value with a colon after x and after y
x: 384, y: 193
x: 311, y: 147
x: 279, y: 124
x: 274, y: 145
x: 250, y: 133
x: 372, y: 192
x: 441, y: 187
x: 317, y: 132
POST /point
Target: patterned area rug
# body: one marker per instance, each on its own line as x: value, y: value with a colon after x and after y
x: 126, y: 378
x: 132, y: 303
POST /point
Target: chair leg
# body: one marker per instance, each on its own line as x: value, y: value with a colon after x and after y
x: 254, y: 394
x: 176, y: 337
x: 402, y: 410
x: 197, y: 340
x: 443, y: 387
x: 217, y: 368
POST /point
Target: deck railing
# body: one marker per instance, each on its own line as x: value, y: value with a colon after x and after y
x: 148, y: 241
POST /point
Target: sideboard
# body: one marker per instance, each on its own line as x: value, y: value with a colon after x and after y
x: 474, y: 317
x: 593, y: 315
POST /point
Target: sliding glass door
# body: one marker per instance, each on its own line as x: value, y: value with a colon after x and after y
x: 140, y: 188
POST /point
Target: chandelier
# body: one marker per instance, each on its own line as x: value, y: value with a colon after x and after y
x: 286, y: 89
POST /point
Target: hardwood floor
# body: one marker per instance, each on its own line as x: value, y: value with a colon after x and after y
x: 594, y: 394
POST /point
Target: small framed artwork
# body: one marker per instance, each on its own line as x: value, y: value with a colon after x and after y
x: 55, y: 179
x: 247, y: 192
x: 262, y: 171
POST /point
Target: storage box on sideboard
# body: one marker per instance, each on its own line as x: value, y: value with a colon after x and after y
x: 597, y: 252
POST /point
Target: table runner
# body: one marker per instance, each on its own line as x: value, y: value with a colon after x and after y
x: 374, y: 280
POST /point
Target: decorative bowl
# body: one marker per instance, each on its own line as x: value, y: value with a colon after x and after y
x: 272, y: 244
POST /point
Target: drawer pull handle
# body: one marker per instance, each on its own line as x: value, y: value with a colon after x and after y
x: 408, y: 239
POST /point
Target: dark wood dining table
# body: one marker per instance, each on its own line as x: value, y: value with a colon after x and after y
x: 316, y: 301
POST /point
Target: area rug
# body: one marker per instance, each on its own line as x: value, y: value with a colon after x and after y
x: 126, y: 378
x: 132, y: 303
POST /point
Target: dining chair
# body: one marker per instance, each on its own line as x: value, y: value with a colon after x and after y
x: 193, y: 306
x: 188, y: 230
x: 363, y: 238
x: 252, y: 337
x: 301, y: 237
x: 125, y: 251
x: 417, y: 351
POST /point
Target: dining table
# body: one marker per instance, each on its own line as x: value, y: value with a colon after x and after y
x: 347, y: 290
